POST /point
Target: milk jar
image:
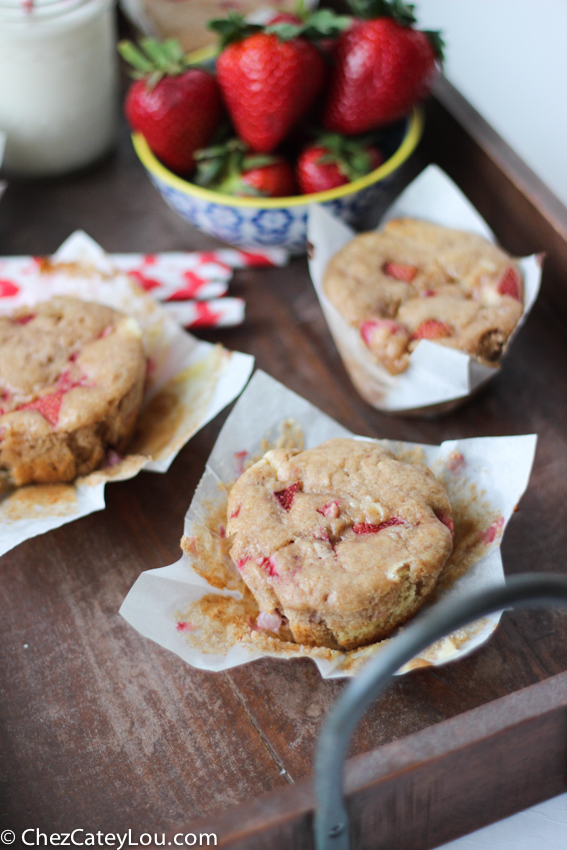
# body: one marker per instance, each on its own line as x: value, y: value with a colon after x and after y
x: 58, y: 84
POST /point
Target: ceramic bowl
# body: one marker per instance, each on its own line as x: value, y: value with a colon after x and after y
x: 275, y: 222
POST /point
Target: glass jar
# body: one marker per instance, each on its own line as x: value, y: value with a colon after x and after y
x: 58, y: 84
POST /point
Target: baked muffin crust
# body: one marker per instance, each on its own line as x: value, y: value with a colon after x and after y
x: 416, y: 280
x: 343, y: 541
x: 71, y: 382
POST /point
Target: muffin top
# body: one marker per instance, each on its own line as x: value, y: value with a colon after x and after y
x: 417, y: 280
x: 329, y: 529
x: 63, y: 361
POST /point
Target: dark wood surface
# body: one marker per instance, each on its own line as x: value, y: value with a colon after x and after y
x: 425, y: 789
x: 102, y: 729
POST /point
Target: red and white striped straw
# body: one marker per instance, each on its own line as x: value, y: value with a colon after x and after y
x: 216, y: 313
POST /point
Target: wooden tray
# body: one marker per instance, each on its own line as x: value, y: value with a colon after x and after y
x: 103, y: 730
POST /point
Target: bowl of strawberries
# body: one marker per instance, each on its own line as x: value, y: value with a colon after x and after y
x: 320, y: 108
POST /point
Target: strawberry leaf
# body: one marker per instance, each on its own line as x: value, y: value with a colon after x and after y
x: 396, y: 9
x: 258, y: 161
x: 437, y: 43
x: 324, y: 23
x: 155, y: 59
x: 232, y: 28
x: 351, y: 156
x: 135, y: 57
x: 284, y: 31
x: 208, y: 172
x: 173, y: 50
x: 154, y: 51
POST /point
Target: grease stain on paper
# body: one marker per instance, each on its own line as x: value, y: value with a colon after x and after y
x: 177, y: 410
x: 46, y: 500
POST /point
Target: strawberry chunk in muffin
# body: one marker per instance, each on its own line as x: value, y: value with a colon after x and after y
x: 71, y: 381
x: 416, y: 281
x: 343, y: 542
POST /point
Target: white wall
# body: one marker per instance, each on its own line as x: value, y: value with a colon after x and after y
x: 509, y: 59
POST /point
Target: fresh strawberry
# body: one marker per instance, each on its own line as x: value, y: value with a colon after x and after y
x: 268, y: 84
x: 333, y: 161
x: 230, y: 169
x: 432, y: 329
x: 286, y: 18
x: 383, y: 67
x: 274, y: 180
x: 270, y: 76
x: 175, y: 107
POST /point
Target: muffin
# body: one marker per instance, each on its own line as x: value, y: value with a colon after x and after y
x: 339, y: 544
x: 71, y: 381
x: 415, y: 280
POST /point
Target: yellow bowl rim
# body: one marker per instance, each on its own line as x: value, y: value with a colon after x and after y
x: 154, y: 166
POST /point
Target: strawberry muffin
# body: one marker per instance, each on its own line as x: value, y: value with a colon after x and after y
x: 339, y: 544
x: 71, y: 381
x: 415, y: 280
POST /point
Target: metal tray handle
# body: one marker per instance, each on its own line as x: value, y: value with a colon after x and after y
x: 331, y: 817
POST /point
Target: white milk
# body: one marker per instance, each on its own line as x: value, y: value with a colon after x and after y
x: 58, y: 84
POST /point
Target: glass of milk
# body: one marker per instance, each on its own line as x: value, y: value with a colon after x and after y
x: 58, y: 84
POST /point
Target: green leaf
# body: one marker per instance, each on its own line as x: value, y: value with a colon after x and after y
x: 210, y: 153
x: 400, y: 11
x: 154, y: 59
x: 208, y: 172
x: 232, y: 28
x: 368, y: 9
x: 437, y: 43
x: 324, y: 23
x: 174, y: 52
x: 154, y: 50
x: 301, y: 10
x: 284, y: 31
x: 135, y: 57
x: 349, y: 154
x: 327, y: 159
x: 403, y: 12
x: 246, y: 190
x: 258, y: 161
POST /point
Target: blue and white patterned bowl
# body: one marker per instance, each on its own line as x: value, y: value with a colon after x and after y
x: 255, y: 223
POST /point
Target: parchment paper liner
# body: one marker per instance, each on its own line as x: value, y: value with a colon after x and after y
x: 497, y: 473
x: 188, y: 384
x: 438, y: 378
